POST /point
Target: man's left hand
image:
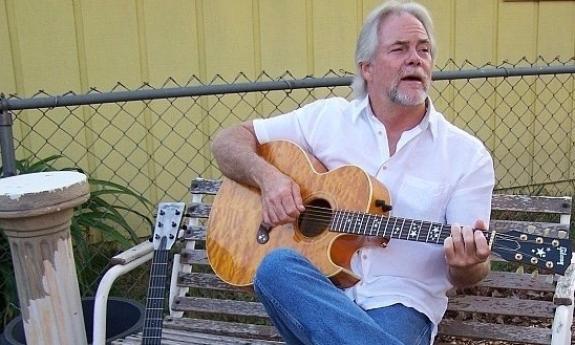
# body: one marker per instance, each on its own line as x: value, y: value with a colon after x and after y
x: 467, y: 252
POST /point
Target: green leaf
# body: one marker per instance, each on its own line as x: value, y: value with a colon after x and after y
x: 107, y: 230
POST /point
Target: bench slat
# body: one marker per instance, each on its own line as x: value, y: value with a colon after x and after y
x: 205, y: 186
x: 197, y: 257
x: 199, y: 210
x: 517, y: 281
x: 205, y: 281
x: 463, y: 303
x: 511, y: 333
x: 501, y: 306
x: 528, y: 203
x: 243, y: 330
x: 489, y: 331
x: 195, y: 233
x: 495, y: 279
x: 555, y: 230
x: 179, y: 337
x: 185, y: 337
x: 219, y: 306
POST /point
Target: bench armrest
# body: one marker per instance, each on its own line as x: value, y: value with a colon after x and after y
x: 123, y: 263
x: 133, y: 253
x: 563, y: 298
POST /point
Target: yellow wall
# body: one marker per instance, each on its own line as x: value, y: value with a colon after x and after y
x: 60, y: 45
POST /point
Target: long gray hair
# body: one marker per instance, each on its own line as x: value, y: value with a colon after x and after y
x: 368, y: 40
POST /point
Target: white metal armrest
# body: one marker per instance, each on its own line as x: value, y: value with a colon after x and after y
x: 123, y: 263
x: 563, y: 298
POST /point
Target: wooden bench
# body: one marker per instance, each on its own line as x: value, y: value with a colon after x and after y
x: 515, y: 307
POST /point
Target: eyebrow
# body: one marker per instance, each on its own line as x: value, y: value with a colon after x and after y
x: 422, y: 41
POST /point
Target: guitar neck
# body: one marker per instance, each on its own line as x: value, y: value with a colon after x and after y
x: 365, y: 224
x: 152, y: 334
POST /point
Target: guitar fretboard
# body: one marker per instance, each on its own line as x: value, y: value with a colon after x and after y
x: 389, y: 227
x: 155, y: 303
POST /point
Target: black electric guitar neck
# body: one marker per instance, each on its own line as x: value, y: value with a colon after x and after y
x: 165, y: 232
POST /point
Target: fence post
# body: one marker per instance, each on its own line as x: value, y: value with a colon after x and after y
x: 7, y: 144
x: 35, y: 214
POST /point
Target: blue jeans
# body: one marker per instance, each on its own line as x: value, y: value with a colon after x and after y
x: 307, y: 308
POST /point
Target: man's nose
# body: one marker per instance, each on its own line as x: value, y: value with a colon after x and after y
x: 413, y: 57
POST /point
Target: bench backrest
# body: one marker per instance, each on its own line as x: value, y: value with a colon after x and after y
x: 196, y: 291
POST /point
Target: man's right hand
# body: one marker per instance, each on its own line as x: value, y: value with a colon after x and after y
x: 281, y: 199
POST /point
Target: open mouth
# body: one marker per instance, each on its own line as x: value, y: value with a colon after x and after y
x: 413, y: 77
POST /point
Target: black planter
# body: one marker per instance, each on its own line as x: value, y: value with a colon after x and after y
x: 123, y: 317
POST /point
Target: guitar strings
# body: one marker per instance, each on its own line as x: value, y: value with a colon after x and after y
x: 323, y: 216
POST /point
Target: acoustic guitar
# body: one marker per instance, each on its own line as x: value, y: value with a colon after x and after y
x: 344, y: 208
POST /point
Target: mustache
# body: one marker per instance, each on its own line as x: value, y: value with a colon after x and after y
x: 413, y: 75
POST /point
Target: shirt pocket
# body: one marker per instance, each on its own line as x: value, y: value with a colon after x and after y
x: 423, y: 199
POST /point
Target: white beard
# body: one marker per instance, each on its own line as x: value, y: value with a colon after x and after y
x: 407, y: 98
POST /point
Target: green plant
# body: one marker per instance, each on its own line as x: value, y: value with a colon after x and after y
x: 100, y: 215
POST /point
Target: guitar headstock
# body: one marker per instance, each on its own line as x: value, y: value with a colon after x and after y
x: 551, y: 254
x: 168, y: 220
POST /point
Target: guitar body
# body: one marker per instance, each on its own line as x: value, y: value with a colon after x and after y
x: 234, y: 224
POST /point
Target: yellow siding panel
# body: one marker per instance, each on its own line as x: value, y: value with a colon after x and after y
x: 111, y: 33
x: 229, y: 49
x: 172, y: 45
x: 475, y: 29
x: 47, y: 45
x: 517, y: 35
x: 474, y: 34
x: 442, y: 14
x: 334, y: 35
x: 283, y: 36
x: 554, y: 110
x: 556, y: 29
x: 45, y: 51
x: 517, y: 38
x: 229, y: 38
x: 7, y: 78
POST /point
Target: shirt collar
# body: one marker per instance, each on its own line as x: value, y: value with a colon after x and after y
x: 430, y: 120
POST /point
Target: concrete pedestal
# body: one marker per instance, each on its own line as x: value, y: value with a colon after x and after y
x: 35, y: 214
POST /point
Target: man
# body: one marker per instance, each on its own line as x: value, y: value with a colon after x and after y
x: 433, y: 171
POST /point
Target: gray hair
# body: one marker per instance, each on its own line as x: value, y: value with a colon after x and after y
x: 368, y: 40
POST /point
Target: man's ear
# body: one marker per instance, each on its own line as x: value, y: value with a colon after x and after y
x: 365, y: 68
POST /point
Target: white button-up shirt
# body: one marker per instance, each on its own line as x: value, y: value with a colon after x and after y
x: 439, y: 173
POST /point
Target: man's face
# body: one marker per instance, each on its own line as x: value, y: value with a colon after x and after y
x: 401, y: 68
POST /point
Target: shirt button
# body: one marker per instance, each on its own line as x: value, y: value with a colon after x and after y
x: 383, y: 167
x: 379, y: 132
x: 364, y: 257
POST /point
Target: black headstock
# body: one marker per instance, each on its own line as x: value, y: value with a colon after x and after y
x: 551, y: 254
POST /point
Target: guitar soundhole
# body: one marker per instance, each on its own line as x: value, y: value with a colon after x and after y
x: 316, y: 218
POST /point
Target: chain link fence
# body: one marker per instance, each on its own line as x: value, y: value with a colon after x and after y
x: 155, y: 139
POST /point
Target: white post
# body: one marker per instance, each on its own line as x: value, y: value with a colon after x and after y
x: 35, y: 214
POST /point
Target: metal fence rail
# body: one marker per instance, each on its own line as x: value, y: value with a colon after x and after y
x: 155, y: 140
